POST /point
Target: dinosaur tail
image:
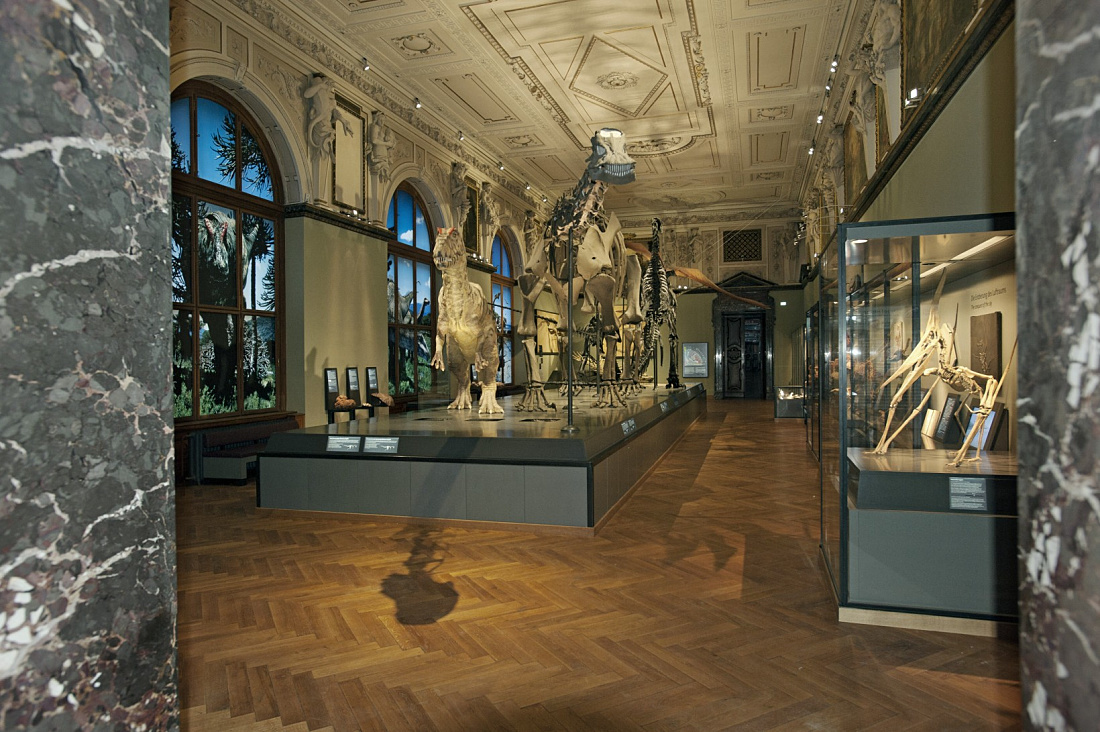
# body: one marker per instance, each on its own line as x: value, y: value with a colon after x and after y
x: 651, y: 336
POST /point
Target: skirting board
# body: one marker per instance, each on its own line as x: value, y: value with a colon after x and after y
x: 936, y: 623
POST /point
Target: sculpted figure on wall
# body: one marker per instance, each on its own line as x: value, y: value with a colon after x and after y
x: 489, y: 213
x: 832, y: 167
x: 382, y: 141
x: 320, y: 94
x: 460, y: 201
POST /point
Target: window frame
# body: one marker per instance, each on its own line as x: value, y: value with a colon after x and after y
x: 188, y: 184
x: 496, y: 279
x: 397, y: 250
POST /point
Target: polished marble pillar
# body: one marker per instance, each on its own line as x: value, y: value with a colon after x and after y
x: 1058, y: 251
x: 87, y: 527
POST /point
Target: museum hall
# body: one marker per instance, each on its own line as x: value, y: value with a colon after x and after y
x: 468, y: 365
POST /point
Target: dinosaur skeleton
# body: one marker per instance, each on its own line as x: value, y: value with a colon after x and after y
x: 579, y: 229
x: 937, y: 346
x: 660, y: 309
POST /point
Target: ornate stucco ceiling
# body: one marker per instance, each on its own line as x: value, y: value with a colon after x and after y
x: 719, y: 98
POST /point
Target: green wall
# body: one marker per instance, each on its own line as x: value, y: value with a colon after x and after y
x: 335, y: 309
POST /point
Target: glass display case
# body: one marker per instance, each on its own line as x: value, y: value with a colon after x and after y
x: 790, y: 402
x: 917, y: 325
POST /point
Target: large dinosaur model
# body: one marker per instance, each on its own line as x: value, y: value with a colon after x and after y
x: 578, y: 228
x: 465, y: 326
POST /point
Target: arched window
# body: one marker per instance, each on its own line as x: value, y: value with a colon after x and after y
x: 503, y: 283
x: 411, y: 295
x: 227, y: 236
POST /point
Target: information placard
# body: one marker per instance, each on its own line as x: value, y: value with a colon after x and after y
x: 343, y: 443
x: 380, y: 444
x: 968, y: 493
x: 629, y: 426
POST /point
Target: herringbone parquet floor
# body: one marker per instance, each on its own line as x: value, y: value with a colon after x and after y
x: 702, y: 605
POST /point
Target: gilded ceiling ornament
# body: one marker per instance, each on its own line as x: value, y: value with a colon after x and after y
x: 617, y: 80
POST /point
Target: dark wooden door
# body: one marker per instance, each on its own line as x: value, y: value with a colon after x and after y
x: 743, y: 356
x: 732, y: 356
x: 753, y: 356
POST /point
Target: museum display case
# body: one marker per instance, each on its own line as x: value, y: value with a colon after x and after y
x: 790, y: 402
x: 917, y: 324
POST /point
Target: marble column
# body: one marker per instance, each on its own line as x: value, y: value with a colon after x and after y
x: 87, y: 523
x: 1058, y: 258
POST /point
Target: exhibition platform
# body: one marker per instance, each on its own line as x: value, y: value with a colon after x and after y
x: 515, y: 468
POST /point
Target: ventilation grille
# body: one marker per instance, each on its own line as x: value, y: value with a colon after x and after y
x: 745, y: 245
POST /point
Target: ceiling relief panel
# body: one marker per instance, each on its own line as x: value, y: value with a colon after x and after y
x: 540, y: 20
x: 562, y: 54
x: 553, y: 168
x: 769, y: 176
x: 474, y: 96
x: 768, y: 148
x: 774, y: 59
x: 523, y: 142
x: 642, y: 42
x: 616, y: 79
x: 423, y: 44
x: 771, y: 114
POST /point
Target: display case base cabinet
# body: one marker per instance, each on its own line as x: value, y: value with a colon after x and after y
x: 933, y: 562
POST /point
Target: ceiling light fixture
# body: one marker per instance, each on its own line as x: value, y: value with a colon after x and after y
x: 528, y: 187
x: 461, y: 136
x: 544, y: 199
x: 820, y: 118
x: 500, y: 165
x: 366, y: 64
x: 416, y: 102
x: 811, y: 149
x: 828, y: 87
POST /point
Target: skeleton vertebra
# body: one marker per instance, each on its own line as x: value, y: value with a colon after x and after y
x: 465, y: 326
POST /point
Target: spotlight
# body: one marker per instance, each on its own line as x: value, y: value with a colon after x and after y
x: 366, y: 64
x: 528, y: 187
x: 416, y: 102
x: 913, y: 98
x: 828, y: 88
x: 811, y: 149
x: 461, y: 136
x: 500, y: 165
x: 820, y: 118
x: 544, y: 199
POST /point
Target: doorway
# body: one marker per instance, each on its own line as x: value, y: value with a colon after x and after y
x: 743, y: 349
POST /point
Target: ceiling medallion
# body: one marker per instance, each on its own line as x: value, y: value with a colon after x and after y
x: 416, y: 43
x: 617, y: 80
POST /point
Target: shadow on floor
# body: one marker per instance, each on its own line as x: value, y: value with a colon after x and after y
x: 419, y: 598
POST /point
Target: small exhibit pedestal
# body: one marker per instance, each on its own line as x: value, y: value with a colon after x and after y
x: 453, y: 464
x: 928, y: 538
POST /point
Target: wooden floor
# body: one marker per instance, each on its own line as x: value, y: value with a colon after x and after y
x: 702, y: 605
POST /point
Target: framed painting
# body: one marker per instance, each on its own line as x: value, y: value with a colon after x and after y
x: 469, y: 226
x: 855, y: 161
x: 695, y: 362
x: 882, y: 125
x: 931, y: 33
x: 348, y: 175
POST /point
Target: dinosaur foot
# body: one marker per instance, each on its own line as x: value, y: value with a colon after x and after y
x: 462, y: 401
x: 609, y: 395
x: 488, y: 402
x: 534, y: 400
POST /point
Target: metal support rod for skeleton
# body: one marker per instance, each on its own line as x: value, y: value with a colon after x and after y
x: 569, y: 428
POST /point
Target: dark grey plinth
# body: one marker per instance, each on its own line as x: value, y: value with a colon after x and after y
x: 455, y: 465
x: 926, y: 536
